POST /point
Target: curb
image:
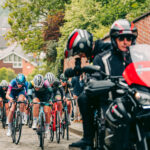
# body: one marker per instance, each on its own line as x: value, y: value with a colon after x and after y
x: 76, y: 128
x: 80, y: 133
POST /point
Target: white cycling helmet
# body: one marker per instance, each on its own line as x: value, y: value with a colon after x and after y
x: 50, y: 77
x: 4, y: 83
x: 38, y: 81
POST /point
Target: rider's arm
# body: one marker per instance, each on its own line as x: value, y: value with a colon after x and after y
x: 98, y: 61
x: 8, y: 93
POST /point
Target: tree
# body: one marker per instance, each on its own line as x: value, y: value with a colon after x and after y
x: 7, y: 74
x: 26, y: 19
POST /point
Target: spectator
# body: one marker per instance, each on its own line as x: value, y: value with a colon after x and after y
x: 77, y: 85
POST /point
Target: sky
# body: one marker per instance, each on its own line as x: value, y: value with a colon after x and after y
x: 4, y: 19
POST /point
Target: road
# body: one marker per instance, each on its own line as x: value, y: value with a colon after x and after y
x: 29, y: 141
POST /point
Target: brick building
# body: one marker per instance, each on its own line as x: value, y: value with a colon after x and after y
x: 13, y: 57
x: 143, y: 25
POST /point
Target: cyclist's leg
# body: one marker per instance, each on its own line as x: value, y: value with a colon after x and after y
x: 47, y: 117
x: 1, y: 105
x: 26, y: 114
x: 75, y: 108
x: 10, y: 115
x: 21, y: 97
x: 35, y: 112
x: 7, y: 111
x: 69, y: 106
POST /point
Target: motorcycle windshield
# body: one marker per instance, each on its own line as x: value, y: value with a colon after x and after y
x: 138, y: 72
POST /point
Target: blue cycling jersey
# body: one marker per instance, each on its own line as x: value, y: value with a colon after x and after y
x: 13, y: 87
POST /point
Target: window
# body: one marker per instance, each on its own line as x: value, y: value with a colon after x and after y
x: 14, y: 59
x: 11, y: 57
x: 17, y: 65
x: 5, y: 60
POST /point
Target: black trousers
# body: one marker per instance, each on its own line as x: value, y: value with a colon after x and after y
x: 88, y: 105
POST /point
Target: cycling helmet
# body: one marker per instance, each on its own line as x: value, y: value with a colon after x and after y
x: 56, y: 82
x: 50, y: 77
x: 80, y: 41
x: 63, y: 77
x: 122, y: 27
x: 38, y: 81
x: 4, y: 83
x: 20, y: 79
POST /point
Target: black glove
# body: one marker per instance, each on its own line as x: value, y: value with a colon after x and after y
x: 69, y: 72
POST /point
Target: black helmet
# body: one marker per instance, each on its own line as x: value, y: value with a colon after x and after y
x: 21, y: 79
x: 80, y: 41
x: 122, y: 27
x: 63, y: 77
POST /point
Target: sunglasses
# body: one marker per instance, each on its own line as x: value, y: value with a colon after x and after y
x: 128, y: 38
x: 20, y: 83
x: 4, y: 86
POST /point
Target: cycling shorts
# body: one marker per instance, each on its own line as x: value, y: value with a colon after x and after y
x: 43, y: 98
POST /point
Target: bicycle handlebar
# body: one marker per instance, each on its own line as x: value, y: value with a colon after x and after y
x: 42, y: 103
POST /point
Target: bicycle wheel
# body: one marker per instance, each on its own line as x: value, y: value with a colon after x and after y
x: 3, y: 117
x: 57, y: 127
x: 18, y: 127
x: 51, y: 132
x: 41, y: 131
x: 30, y: 121
x: 63, y: 128
x: 67, y: 124
x: 13, y: 129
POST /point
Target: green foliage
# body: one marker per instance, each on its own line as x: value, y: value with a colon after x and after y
x: 33, y: 21
x: 97, y: 16
x: 25, y: 19
x: 51, y: 52
x: 7, y: 74
x: 78, y: 14
x: 52, y: 67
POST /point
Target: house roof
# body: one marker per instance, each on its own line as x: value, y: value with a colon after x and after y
x: 17, y: 50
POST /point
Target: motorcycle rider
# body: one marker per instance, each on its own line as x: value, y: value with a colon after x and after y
x: 112, y: 62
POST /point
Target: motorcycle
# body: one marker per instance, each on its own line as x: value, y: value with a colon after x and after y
x: 135, y: 89
x: 137, y: 93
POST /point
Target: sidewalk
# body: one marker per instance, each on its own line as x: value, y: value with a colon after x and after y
x: 76, y: 128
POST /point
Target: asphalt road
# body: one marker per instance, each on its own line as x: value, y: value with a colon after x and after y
x: 29, y: 141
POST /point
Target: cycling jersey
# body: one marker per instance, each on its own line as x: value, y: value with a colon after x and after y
x: 65, y: 89
x: 15, y: 90
x: 3, y: 92
x: 44, y: 93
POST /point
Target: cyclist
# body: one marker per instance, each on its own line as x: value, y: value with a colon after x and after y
x: 50, y: 77
x: 112, y: 62
x: 77, y: 85
x: 17, y: 88
x: 3, y: 90
x: 66, y: 85
x: 43, y: 92
x: 57, y: 91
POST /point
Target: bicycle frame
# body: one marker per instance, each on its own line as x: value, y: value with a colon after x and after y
x: 54, y: 111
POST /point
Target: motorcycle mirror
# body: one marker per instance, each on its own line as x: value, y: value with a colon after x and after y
x: 91, y: 69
